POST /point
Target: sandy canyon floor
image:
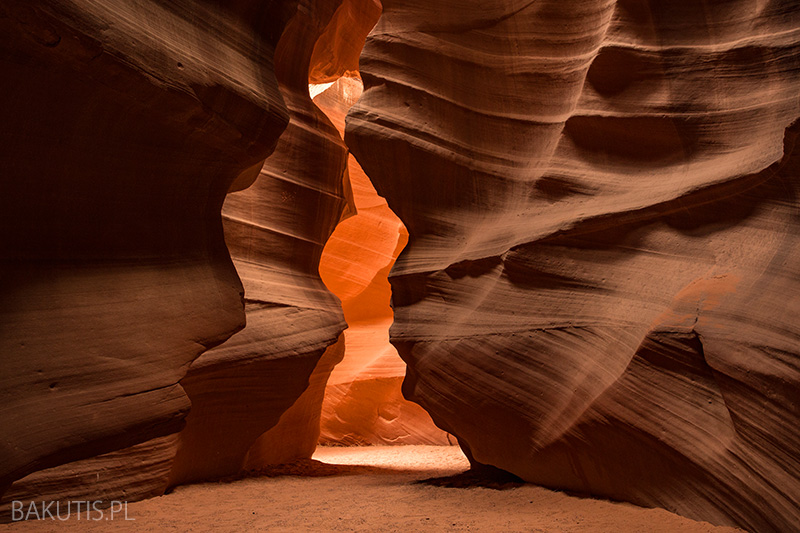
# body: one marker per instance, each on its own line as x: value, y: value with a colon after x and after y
x: 384, y: 489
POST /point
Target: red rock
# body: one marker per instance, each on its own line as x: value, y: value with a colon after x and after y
x: 123, y: 126
x: 599, y: 291
x: 338, y: 48
x: 296, y: 434
x: 363, y: 402
x: 129, y: 474
x: 275, y: 230
x: 600, y: 285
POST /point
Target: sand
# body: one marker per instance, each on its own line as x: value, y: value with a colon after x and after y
x: 375, y: 489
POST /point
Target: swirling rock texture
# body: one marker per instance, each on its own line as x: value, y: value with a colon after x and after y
x: 135, y: 473
x: 123, y: 126
x: 275, y: 230
x: 337, y: 50
x: 601, y: 285
x: 363, y: 401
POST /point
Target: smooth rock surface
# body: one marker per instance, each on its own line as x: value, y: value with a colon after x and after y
x: 275, y: 230
x: 296, y: 434
x: 130, y: 474
x: 339, y: 47
x: 123, y: 126
x: 363, y: 402
x: 600, y: 289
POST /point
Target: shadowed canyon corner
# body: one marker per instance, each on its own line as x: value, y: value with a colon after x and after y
x: 562, y: 237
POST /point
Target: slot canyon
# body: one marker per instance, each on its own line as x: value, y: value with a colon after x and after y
x: 549, y: 250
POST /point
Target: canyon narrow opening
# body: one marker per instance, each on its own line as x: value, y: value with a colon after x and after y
x: 363, y: 403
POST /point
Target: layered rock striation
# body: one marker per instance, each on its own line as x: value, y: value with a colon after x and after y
x: 363, y: 402
x: 275, y: 230
x: 601, y: 280
x: 124, y: 127
x: 124, y: 124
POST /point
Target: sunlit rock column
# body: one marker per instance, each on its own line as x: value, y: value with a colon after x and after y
x: 363, y: 402
x: 601, y: 283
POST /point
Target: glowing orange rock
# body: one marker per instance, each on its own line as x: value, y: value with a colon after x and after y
x: 363, y: 402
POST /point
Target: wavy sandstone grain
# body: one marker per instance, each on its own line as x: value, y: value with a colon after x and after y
x: 337, y: 50
x: 124, y: 125
x: 275, y: 230
x: 363, y: 402
x: 601, y: 284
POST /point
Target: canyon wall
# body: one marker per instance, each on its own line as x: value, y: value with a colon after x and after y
x: 363, y: 400
x: 125, y: 124
x: 599, y: 291
x: 275, y: 230
x: 600, y: 288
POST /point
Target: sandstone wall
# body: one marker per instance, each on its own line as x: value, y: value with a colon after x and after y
x: 275, y: 230
x: 124, y: 125
x: 363, y: 402
x: 601, y: 283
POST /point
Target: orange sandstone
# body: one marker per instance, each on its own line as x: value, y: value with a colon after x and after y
x: 363, y: 400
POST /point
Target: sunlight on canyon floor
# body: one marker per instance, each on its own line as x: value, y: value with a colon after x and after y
x: 383, y: 489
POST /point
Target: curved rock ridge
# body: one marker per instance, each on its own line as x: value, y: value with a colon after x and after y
x: 297, y: 433
x: 275, y: 230
x: 535, y: 143
x: 130, y: 474
x: 116, y: 275
x: 601, y: 280
x: 363, y: 403
x: 123, y: 126
x: 337, y: 50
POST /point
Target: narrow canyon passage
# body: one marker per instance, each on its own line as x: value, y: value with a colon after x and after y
x: 363, y: 403
x: 584, y: 213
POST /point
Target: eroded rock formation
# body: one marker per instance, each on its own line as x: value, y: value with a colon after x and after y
x: 337, y: 50
x: 363, y: 402
x: 123, y: 126
x: 275, y: 230
x: 601, y: 284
